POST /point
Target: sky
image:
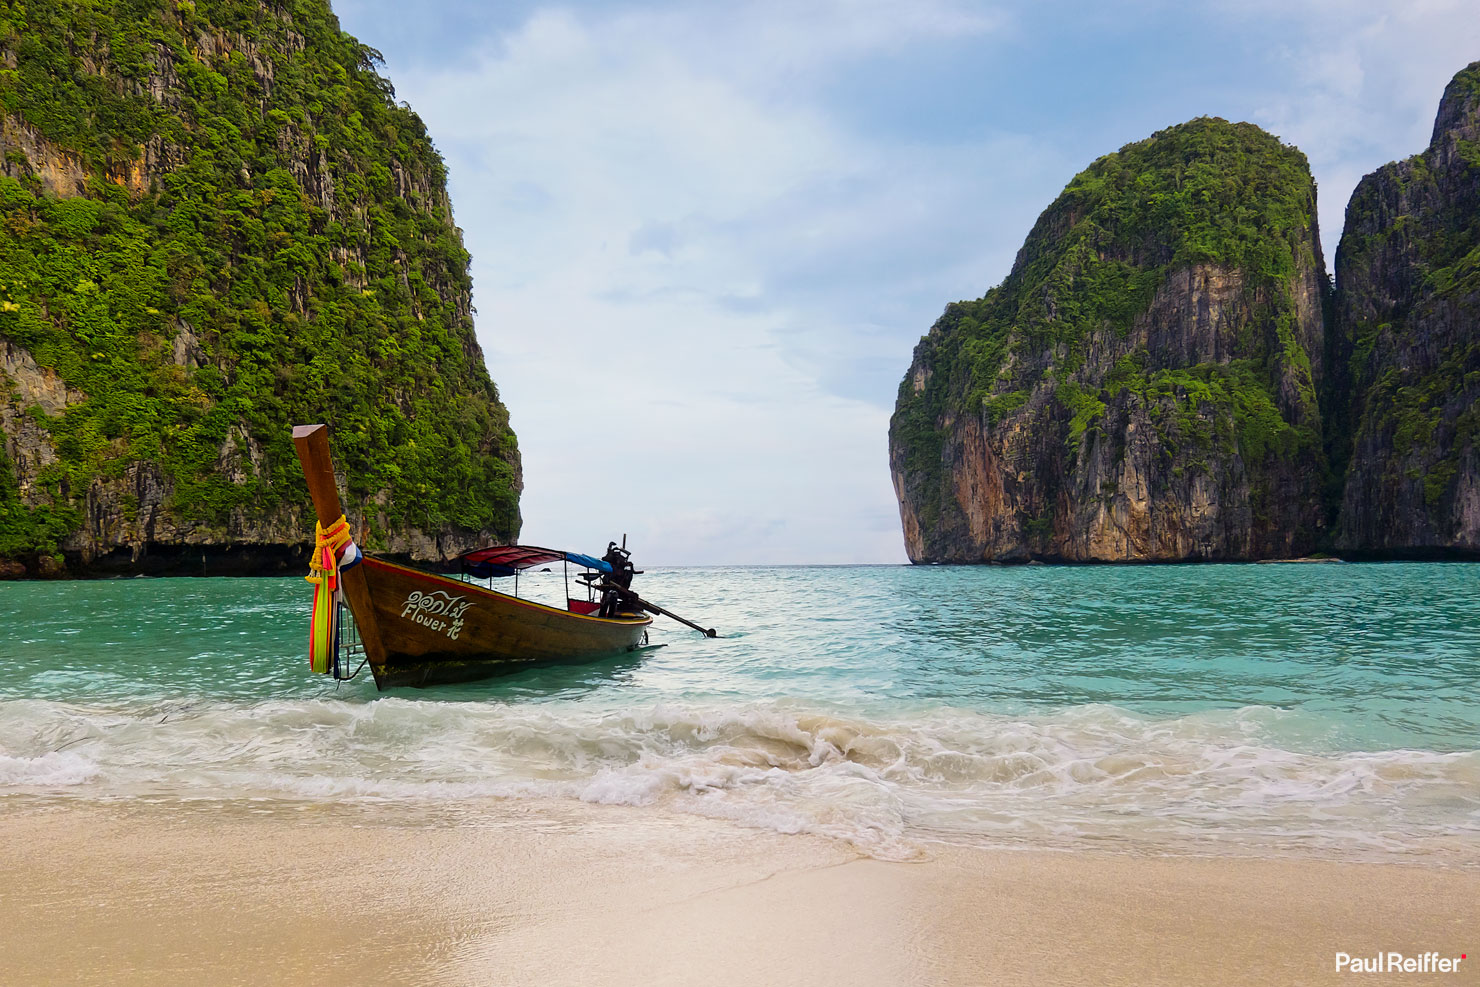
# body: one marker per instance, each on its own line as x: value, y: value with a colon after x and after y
x: 706, y: 237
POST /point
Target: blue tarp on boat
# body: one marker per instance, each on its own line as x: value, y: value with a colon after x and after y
x: 587, y: 561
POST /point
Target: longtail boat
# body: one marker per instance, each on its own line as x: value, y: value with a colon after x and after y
x: 421, y: 628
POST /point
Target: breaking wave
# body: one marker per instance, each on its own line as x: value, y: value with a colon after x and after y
x: 1252, y: 779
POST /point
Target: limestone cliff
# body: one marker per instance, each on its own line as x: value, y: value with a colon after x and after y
x: 1406, y: 346
x: 1143, y: 385
x: 216, y: 222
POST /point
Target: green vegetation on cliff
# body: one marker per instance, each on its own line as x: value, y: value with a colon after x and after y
x: 1204, y: 192
x: 262, y: 237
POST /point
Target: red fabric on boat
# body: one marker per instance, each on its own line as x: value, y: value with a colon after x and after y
x: 583, y: 606
x: 513, y: 556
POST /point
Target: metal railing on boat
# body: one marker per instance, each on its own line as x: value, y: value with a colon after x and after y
x: 350, y: 648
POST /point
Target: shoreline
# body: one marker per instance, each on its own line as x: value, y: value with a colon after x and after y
x: 276, y: 561
x: 552, y: 892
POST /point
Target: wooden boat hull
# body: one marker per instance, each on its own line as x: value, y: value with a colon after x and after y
x: 433, y: 629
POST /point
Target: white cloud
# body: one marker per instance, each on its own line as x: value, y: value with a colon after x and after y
x: 651, y: 199
x: 1365, y: 77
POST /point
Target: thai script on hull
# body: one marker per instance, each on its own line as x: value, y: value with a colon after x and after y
x: 436, y: 610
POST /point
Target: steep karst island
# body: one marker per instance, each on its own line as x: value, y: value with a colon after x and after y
x: 217, y: 222
x: 1167, y: 373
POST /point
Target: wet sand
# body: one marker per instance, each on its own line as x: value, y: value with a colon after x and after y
x: 562, y: 893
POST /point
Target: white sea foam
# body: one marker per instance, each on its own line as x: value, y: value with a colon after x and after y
x: 1089, y: 774
x: 54, y: 769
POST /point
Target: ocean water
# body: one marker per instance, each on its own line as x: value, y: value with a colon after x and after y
x: 1331, y: 710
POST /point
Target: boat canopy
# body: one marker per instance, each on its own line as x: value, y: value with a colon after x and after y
x: 506, y: 560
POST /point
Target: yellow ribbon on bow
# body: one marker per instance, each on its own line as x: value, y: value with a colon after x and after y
x: 323, y: 567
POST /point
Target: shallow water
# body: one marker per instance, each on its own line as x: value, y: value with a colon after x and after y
x: 1330, y: 709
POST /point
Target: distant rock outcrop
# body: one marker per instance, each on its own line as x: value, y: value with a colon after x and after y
x: 218, y: 222
x: 1406, y: 345
x: 1144, y: 384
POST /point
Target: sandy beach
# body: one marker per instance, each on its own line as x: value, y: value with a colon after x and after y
x: 497, y: 892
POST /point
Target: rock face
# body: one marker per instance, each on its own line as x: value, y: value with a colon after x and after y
x: 1406, y: 346
x: 1144, y: 384
x: 217, y: 222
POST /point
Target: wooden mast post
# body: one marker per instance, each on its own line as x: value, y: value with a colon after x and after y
x: 312, y: 443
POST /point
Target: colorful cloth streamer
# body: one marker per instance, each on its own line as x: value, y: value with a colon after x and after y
x: 324, y: 568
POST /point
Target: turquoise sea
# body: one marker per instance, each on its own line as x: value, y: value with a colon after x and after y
x: 1331, y: 710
